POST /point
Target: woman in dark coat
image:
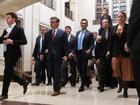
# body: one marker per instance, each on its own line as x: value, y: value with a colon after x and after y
x: 120, y: 57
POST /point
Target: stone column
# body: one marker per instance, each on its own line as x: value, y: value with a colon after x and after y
x: 129, y: 5
x: 110, y: 7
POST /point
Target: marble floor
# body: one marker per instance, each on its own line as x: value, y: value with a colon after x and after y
x: 41, y: 95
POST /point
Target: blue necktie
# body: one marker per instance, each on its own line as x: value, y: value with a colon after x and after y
x: 80, y: 41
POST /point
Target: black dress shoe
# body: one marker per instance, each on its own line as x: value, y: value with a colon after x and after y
x: 98, y: 88
x: 44, y: 82
x: 3, y: 97
x: 63, y: 83
x: 49, y: 83
x: 72, y: 83
x: 81, y: 89
x: 56, y: 93
x: 125, y: 93
x: 87, y: 85
x: 25, y: 87
x: 112, y: 87
x: 77, y: 80
x: 101, y: 89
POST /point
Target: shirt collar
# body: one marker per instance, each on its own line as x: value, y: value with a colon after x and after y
x: 13, y: 25
x: 42, y: 35
x: 106, y: 29
x: 69, y: 35
x: 55, y: 30
x: 83, y: 30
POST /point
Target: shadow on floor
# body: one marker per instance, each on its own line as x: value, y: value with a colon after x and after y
x: 18, y: 103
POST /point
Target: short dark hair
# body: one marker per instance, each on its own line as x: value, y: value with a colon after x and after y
x: 13, y: 15
x: 55, y: 18
x: 122, y: 12
x: 105, y: 19
x: 68, y: 27
x: 84, y: 19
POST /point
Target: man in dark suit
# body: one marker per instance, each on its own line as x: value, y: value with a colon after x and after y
x: 104, y: 70
x: 83, y: 49
x: 71, y: 60
x: 134, y: 42
x: 40, y: 66
x: 56, y: 47
x: 12, y: 37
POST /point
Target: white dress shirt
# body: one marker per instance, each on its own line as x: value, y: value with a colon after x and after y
x: 41, y: 42
x: 106, y: 34
x: 55, y: 31
x: 93, y: 51
x: 69, y: 37
x: 8, y: 29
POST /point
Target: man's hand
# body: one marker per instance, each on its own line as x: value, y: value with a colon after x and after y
x: 126, y: 48
x: 70, y: 55
x: 88, y: 51
x: 33, y: 60
x: 108, y: 54
x: 65, y: 58
x: 8, y: 41
x: 6, y: 36
x: 46, y: 51
x: 41, y: 57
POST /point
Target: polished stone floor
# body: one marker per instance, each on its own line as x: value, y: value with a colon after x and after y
x: 41, y: 95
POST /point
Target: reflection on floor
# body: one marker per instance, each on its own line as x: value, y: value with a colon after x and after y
x: 70, y: 96
x: 18, y: 103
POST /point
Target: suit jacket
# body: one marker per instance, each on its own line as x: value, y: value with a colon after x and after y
x: 102, y: 47
x: 133, y: 39
x: 71, y: 43
x: 117, y: 44
x: 56, y: 48
x: 88, y: 42
x: 18, y: 36
x: 36, y: 52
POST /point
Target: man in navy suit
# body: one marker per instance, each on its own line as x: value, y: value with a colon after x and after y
x: 56, y: 46
x: 83, y: 51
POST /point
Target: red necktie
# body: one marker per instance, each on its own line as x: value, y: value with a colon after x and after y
x: 53, y: 35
